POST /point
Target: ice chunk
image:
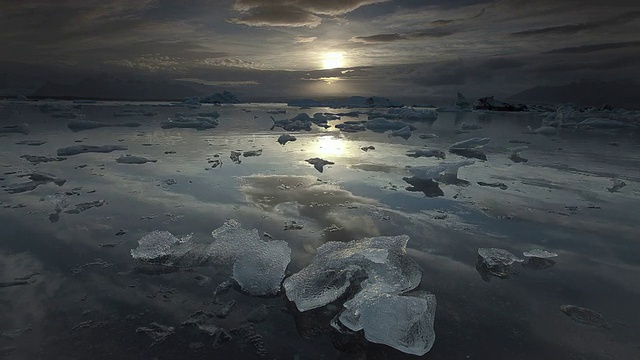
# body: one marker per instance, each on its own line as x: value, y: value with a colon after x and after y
x: 440, y: 171
x: 403, y: 322
x: 472, y: 143
x: 369, y: 147
x: 426, y: 153
x: 491, y: 104
x: 78, y: 125
x: 585, y: 316
x: 602, y: 123
x: 465, y: 126
x: 404, y: 133
x: 284, y: 138
x: 256, y: 265
x: 36, y: 179
x: 546, y: 130
x: 469, y: 153
x: 515, y: 154
x: 31, y: 142
x: 79, y: 149
x: 428, y: 187
x: 376, y: 263
x: 319, y: 163
x: 130, y: 159
x: 500, y: 185
x: 617, y: 185
x: 251, y: 153
x: 497, y: 261
x: 226, y: 97
x: 539, y: 253
x: 19, y: 129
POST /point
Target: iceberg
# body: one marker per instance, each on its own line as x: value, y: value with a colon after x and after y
x: 226, y: 97
x: 461, y: 105
x: 469, y: 153
x: 602, y: 123
x: 407, y: 113
x: 256, y: 265
x: 79, y: 149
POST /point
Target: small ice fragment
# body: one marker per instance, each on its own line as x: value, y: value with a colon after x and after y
x: 154, y: 246
x: 472, y: 143
x: 439, y: 171
x: 539, y: 253
x: 284, y: 138
x: 500, y: 185
x: 496, y: 262
x: 427, y: 136
x: 157, y: 332
x: 426, y: 153
x: 235, y: 157
x: 130, y: 159
x: 252, y: 153
x: 585, y: 316
x: 79, y: 125
x: 319, y: 163
x: 546, y: 130
x: 367, y: 148
x: 617, y: 185
x: 515, y: 154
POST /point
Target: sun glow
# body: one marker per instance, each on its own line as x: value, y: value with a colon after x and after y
x: 330, y: 145
x: 332, y: 60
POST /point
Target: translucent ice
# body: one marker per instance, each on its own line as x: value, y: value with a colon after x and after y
x: 257, y: 266
x: 446, y: 170
x: 497, y: 261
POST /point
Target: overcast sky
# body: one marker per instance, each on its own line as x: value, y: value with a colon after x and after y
x: 330, y: 47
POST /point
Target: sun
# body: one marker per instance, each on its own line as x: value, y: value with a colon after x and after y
x: 332, y: 60
x: 330, y: 145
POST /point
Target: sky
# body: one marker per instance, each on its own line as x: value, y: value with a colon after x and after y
x: 324, y: 48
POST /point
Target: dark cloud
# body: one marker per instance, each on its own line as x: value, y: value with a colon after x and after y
x: 385, y: 38
x: 575, y: 28
x: 594, y: 47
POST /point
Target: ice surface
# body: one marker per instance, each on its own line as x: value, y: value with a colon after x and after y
x: 79, y: 149
x: 130, y: 159
x: 319, y: 163
x: 426, y: 153
x: 78, y: 125
x: 539, y: 253
x: 472, y: 143
x: 256, y: 265
x: 403, y: 322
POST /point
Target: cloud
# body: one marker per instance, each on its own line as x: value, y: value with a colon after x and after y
x: 386, y: 38
x: 292, y: 13
x: 583, y: 49
x: 574, y: 28
x: 305, y: 39
x: 378, y: 38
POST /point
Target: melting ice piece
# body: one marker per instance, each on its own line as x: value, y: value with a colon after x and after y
x: 319, y: 163
x: 539, y: 253
x: 36, y: 179
x: 426, y: 153
x: 79, y: 149
x: 472, y: 143
x: 403, y: 322
x: 258, y: 266
x: 284, y: 138
x: 497, y: 261
x: 130, y: 159
x: 585, y: 316
x: 404, y: 132
x: 449, y: 170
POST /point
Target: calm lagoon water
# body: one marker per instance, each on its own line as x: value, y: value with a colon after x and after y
x: 80, y: 295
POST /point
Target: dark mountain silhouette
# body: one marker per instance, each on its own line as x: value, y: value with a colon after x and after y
x: 624, y: 94
x: 107, y: 87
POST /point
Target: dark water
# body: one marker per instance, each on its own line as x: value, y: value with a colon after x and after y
x: 86, y: 300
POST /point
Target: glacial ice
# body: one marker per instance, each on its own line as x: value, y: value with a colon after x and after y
x: 284, y: 138
x: 404, y: 322
x: 79, y: 149
x: 380, y: 270
x: 442, y: 170
x: 79, y: 125
x: 256, y: 265
x: 131, y: 159
x: 497, y: 261
x: 471, y: 143
x: 426, y: 153
x: 539, y: 253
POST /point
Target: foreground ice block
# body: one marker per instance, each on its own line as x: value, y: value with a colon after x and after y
x: 258, y: 266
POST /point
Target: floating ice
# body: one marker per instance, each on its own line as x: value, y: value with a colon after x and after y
x: 469, y: 153
x: 192, y: 122
x: 404, y: 133
x: 130, y: 159
x: 252, y: 153
x: 79, y: 149
x: 284, y: 138
x: 491, y: 104
x: 78, y: 208
x: 380, y: 269
x: 461, y: 105
x: 319, y: 163
x: 256, y: 265
x: 41, y: 159
x: 497, y: 261
x: 31, y: 142
x: 78, y: 125
x: 36, y: 179
x: 546, y: 130
x: 500, y: 185
x: 382, y: 125
x: 465, y: 126
x: 539, y: 253
x: 367, y: 148
x: 19, y: 129
x: 447, y: 170
x: 472, y: 143
x: 299, y: 122
x: 130, y: 112
x: 351, y: 126
x: 226, y: 97
x: 426, y: 153
x: 585, y: 316
x: 602, y: 123
x: 403, y: 322
x: 515, y: 154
